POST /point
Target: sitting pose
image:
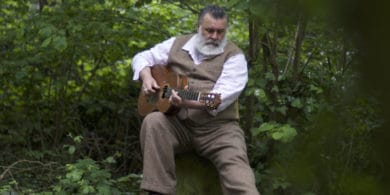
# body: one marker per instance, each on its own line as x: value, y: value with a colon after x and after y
x: 213, y: 64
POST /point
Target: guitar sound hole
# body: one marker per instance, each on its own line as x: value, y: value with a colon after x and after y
x: 165, y: 92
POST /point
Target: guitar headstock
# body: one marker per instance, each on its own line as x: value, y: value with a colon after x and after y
x: 211, y: 100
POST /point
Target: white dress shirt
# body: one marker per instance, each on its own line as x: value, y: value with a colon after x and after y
x: 230, y: 84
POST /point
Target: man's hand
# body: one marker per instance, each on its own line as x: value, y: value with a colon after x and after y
x: 176, y: 100
x: 149, y: 84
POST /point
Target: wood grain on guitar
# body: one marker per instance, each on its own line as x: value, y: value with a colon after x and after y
x: 168, y: 80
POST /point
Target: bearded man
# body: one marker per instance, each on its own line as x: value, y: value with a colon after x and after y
x: 211, y: 63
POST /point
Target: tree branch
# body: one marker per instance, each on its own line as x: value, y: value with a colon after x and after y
x: 13, y: 165
x: 299, y: 35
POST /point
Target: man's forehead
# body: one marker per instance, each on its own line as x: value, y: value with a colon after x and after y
x: 210, y: 21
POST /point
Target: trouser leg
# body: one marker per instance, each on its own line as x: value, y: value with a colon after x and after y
x: 225, y: 146
x: 161, y: 137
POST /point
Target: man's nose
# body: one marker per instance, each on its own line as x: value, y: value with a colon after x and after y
x: 214, y: 35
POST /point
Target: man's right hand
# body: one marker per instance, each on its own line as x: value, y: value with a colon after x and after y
x: 149, y: 84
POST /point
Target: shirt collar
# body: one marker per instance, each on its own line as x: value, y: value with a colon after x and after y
x: 190, y: 48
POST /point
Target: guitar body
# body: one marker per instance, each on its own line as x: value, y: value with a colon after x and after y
x: 167, y: 80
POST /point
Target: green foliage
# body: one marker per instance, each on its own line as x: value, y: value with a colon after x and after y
x: 284, y: 133
x: 67, y: 101
x: 324, y: 82
x: 85, y: 177
x: 72, y: 148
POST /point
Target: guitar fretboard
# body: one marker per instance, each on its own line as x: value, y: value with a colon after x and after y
x: 186, y: 94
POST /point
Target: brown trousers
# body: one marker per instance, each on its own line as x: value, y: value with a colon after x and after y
x: 163, y: 136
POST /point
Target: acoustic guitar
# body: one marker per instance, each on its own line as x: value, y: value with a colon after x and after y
x: 167, y: 79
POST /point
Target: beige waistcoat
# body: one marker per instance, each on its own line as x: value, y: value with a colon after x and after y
x: 202, y: 78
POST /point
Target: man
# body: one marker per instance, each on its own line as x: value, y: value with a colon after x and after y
x: 213, y: 64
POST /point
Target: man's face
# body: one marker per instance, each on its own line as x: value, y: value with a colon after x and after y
x: 211, y: 38
x: 213, y: 30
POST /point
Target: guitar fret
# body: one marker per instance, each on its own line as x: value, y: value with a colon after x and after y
x: 196, y: 96
x: 189, y: 95
x: 185, y: 94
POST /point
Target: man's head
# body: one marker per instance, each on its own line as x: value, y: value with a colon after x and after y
x: 216, y: 12
x: 212, y: 28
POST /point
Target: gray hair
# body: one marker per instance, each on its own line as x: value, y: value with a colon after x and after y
x: 215, y: 11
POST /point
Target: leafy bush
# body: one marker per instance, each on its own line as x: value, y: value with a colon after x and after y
x: 87, y: 177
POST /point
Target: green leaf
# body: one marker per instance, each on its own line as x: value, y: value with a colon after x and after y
x: 316, y: 89
x: 46, y: 42
x: 60, y: 43
x: 260, y: 93
x: 20, y: 33
x: 71, y: 149
x: 255, y: 131
x: 251, y: 82
x: 110, y: 160
x: 284, y: 134
x: 282, y: 109
x: 20, y: 75
x: 277, y: 135
x: 46, y: 31
x: 87, y: 189
x: 297, y: 103
x: 275, y: 88
x: 78, y: 139
x: 267, y: 127
x: 269, y: 76
x: 75, y: 175
x: 276, y: 131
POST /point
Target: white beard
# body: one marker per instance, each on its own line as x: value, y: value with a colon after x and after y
x: 209, y: 48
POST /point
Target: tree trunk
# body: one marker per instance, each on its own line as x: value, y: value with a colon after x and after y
x: 253, y: 52
x: 269, y: 55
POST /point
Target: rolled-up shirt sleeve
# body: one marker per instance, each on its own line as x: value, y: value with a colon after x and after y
x: 153, y: 56
x: 232, y: 81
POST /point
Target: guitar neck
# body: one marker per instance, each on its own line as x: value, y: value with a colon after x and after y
x: 185, y: 94
x: 189, y: 95
x: 210, y: 100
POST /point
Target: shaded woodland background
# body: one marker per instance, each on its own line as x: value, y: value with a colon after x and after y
x: 315, y: 110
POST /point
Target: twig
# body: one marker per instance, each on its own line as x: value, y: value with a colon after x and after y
x: 8, y: 168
